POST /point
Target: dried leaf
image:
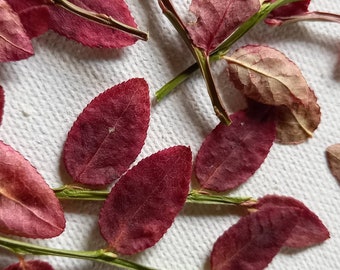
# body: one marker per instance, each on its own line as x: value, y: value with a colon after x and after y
x: 145, y: 201
x: 308, y: 230
x: 333, y: 158
x: 297, y: 124
x: 30, y: 265
x: 267, y: 76
x: 231, y: 154
x: 109, y: 134
x: 2, y: 103
x: 14, y: 43
x: 28, y: 206
x: 254, y: 240
x: 82, y: 30
x: 217, y: 19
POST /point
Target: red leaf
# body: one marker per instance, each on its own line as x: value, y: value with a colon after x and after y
x: 2, y: 103
x: 30, y: 265
x: 231, y: 154
x: 145, y: 201
x: 254, y: 240
x: 14, y: 43
x: 82, y: 30
x: 109, y: 134
x: 28, y: 206
x: 309, y: 229
x: 217, y: 19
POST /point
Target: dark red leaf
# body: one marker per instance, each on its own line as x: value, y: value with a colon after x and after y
x: 30, y: 265
x: 254, y: 240
x: 14, y: 42
x: 28, y: 206
x: 109, y: 134
x: 309, y: 229
x: 82, y: 30
x: 217, y: 19
x: 2, y: 103
x: 231, y: 154
x: 145, y: 201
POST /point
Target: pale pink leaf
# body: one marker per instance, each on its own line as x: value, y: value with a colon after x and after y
x: 217, y: 19
x: 30, y: 265
x: 28, y: 206
x: 145, y: 201
x: 231, y: 154
x: 14, y: 42
x: 333, y: 158
x: 309, y: 229
x: 254, y: 240
x: 109, y: 134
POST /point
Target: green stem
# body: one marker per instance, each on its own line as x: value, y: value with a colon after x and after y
x: 101, y: 19
x: 76, y: 193
x: 201, y: 58
x: 101, y: 255
x: 223, y: 48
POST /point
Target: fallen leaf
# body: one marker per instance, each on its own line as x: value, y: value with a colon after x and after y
x: 297, y: 123
x: 109, y: 134
x: 333, y: 158
x: 308, y: 231
x: 217, y: 19
x: 30, y: 265
x: 14, y: 42
x: 254, y: 240
x: 231, y: 154
x: 145, y: 201
x: 28, y: 206
x: 80, y: 29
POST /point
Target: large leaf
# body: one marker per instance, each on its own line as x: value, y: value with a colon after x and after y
x: 333, y: 158
x: 308, y: 230
x: 231, y: 154
x: 217, y: 19
x: 30, y: 265
x: 14, y: 42
x: 2, y: 103
x: 145, y: 201
x: 109, y: 134
x: 28, y: 207
x: 82, y: 30
x: 268, y: 76
x: 254, y: 240
x: 297, y: 123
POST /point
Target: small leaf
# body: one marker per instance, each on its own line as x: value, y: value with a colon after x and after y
x: 308, y: 230
x: 145, y: 201
x: 231, y: 154
x: 80, y: 29
x: 109, y: 134
x: 297, y: 124
x: 254, y: 240
x: 14, y: 43
x: 2, y: 103
x: 28, y: 206
x: 267, y: 76
x: 217, y: 19
x: 30, y: 265
x: 333, y: 158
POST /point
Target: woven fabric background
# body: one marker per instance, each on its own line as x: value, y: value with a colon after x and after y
x: 45, y: 93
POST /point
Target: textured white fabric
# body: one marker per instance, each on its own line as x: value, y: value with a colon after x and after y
x: 45, y: 93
